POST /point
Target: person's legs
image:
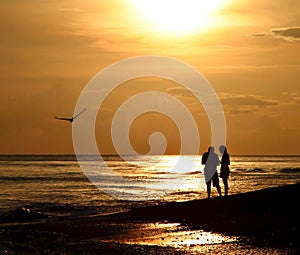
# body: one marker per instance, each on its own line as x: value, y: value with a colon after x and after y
x: 225, y: 181
x: 216, y: 183
x: 219, y: 190
x: 208, y: 188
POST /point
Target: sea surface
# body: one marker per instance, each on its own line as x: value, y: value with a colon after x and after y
x: 57, y: 185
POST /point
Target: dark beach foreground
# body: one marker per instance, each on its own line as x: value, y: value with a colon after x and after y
x: 259, y: 222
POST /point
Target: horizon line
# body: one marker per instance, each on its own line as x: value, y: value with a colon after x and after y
x: 69, y: 154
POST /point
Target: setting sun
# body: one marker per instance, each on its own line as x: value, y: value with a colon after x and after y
x: 179, y: 17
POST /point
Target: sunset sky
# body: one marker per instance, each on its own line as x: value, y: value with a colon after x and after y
x: 248, y: 50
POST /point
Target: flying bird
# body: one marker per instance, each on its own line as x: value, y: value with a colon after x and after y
x: 71, y: 119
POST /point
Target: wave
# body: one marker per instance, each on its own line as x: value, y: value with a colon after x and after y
x: 238, y: 169
x: 162, y: 172
x: 255, y: 170
x: 38, y: 158
x: 248, y: 170
x: 194, y: 172
x: 290, y: 170
x: 185, y: 193
x: 40, y: 164
x: 40, y: 178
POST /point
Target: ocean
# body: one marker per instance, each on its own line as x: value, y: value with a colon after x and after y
x: 56, y: 185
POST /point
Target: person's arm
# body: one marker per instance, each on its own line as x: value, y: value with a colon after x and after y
x: 204, y: 159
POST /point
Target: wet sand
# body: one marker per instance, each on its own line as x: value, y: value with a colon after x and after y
x: 258, y: 222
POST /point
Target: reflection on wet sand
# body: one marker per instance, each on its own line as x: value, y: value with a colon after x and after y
x: 175, y: 235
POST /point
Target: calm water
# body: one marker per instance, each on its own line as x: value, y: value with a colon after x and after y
x: 57, y: 184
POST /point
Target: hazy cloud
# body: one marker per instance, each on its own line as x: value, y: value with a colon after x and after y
x: 293, y: 94
x: 293, y: 97
x: 262, y: 34
x: 245, y: 104
x: 245, y: 109
x: 290, y: 34
x: 246, y: 100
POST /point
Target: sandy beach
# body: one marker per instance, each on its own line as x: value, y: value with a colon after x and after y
x: 259, y: 222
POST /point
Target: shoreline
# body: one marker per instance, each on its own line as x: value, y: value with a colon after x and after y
x: 257, y: 220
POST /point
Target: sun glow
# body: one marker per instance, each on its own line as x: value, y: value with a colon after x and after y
x: 179, y: 17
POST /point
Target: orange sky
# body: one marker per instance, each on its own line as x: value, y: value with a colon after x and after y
x: 248, y: 50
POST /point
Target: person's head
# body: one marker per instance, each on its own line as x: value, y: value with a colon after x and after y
x: 223, y: 149
x: 211, y: 149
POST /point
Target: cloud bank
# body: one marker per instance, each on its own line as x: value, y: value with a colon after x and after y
x: 290, y: 34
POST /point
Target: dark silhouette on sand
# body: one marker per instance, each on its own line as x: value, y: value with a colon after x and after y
x: 225, y: 170
x: 265, y: 221
x: 71, y: 119
x: 211, y: 160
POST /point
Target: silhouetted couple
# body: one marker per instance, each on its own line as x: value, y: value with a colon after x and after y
x: 211, y: 160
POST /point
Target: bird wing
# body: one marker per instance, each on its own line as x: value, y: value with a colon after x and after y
x: 59, y: 118
x: 79, y: 113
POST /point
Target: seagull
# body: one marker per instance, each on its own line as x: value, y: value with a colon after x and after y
x: 70, y: 119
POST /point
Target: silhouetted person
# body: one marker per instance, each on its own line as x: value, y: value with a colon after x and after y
x: 225, y: 170
x: 211, y: 160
